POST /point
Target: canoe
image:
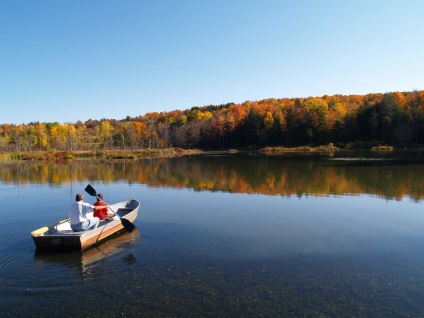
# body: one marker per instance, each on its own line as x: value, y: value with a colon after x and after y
x: 60, y: 235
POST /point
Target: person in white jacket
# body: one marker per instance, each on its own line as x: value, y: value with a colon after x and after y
x: 81, y: 215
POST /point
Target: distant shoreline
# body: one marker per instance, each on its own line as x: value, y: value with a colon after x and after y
x: 54, y: 155
x: 154, y: 153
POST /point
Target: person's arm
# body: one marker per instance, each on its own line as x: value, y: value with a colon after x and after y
x: 99, y: 207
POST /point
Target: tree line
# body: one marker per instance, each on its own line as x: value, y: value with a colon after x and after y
x: 395, y: 118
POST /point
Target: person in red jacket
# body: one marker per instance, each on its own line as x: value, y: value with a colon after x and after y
x: 102, y: 213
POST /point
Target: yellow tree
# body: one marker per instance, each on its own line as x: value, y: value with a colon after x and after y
x: 58, y: 136
x: 41, y: 133
x: 317, y: 110
x: 21, y: 140
x: 104, y: 133
x: 83, y: 137
x: 195, y: 115
x: 268, y: 123
x: 31, y: 136
x: 206, y: 115
x: 23, y: 137
x: 72, y: 136
x: 268, y: 120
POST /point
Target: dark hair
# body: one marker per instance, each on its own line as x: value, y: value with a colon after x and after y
x: 99, y: 197
x: 79, y: 197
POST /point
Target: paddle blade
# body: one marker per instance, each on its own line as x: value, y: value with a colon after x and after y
x: 90, y: 190
x: 128, y: 225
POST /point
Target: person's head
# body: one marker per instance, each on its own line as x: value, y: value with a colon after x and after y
x: 79, y: 197
x: 99, y: 197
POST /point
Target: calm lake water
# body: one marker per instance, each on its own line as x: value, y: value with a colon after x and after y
x: 222, y: 236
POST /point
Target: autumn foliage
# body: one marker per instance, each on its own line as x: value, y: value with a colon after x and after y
x: 359, y: 121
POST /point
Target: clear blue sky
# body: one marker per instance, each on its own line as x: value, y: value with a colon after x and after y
x: 69, y: 60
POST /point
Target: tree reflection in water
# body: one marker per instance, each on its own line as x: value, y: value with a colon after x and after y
x: 284, y: 176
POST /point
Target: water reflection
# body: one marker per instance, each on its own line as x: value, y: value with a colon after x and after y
x: 70, y: 268
x: 111, y: 247
x: 283, y: 176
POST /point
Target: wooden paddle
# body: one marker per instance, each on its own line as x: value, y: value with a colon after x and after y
x: 126, y: 223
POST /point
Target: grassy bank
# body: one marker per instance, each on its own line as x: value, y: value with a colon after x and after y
x: 168, y: 152
x: 328, y: 148
x: 98, y: 154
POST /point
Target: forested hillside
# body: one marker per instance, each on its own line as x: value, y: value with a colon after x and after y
x: 347, y: 121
